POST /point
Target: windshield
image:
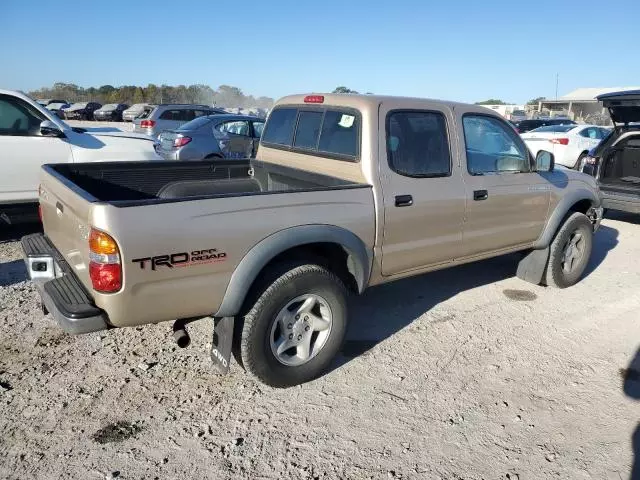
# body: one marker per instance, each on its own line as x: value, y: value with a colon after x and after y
x: 109, y: 106
x: 137, y: 106
x: 555, y: 128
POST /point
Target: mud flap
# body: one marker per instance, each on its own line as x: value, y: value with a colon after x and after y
x: 221, y: 343
x: 531, y: 268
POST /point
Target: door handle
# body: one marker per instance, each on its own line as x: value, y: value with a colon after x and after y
x: 480, y: 194
x: 404, y: 200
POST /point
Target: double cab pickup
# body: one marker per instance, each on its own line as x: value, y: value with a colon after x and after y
x: 346, y: 192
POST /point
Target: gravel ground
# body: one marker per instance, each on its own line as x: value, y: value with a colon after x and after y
x: 467, y: 373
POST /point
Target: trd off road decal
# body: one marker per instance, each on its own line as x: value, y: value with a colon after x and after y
x: 182, y: 259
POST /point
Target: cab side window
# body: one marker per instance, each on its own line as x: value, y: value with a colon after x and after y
x: 493, y: 147
x: 17, y: 118
x: 417, y: 144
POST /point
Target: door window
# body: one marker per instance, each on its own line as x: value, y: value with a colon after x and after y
x: 493, y: 147
x: 17, y: 118
x: 235, y: 127
x: 417, y: 144
x: 257, y: 129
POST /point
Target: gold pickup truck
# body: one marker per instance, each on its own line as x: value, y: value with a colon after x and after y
x: 346, y: 192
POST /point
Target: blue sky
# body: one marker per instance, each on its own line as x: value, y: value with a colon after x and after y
x: 458, y: 50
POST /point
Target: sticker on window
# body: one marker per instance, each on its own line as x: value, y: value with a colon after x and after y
x: 346, y: 121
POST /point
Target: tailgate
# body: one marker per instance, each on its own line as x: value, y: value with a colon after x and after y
x: 65, y: 217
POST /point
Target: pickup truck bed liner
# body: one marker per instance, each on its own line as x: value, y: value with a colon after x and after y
x: 143, y: 183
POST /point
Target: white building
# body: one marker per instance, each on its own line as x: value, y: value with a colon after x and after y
x: 505, y: 110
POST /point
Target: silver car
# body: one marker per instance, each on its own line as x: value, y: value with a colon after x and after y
x: 212, y: 136
x: 162, y: 117
x: 134, y: 111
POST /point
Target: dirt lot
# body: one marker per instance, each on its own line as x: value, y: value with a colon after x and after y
x: 468, y: 373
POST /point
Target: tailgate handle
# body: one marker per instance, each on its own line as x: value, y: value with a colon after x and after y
x: 59, y: 207
x: 404, y: 200
x: 480, y: 194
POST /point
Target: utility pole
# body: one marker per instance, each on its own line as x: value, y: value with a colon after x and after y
x: 556, y: 86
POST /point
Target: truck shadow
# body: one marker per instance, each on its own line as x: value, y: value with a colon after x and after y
x: 382, y: 311
x: 14, y: 271
x: 631, y: 388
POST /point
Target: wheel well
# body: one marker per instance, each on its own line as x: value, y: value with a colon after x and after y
x: 329, y: 255
x: 214, y: 155
x: 582, y: 206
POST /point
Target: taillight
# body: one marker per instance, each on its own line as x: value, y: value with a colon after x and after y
x: 40, y: 212
x: 559, y: 141
x: 148, y: 123
x: 181, y: 141
x: 105, y: 269
x: 314, y: 99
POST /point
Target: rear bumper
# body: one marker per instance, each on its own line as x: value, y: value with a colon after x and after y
x: 61, y: 291
x: 623, y: 203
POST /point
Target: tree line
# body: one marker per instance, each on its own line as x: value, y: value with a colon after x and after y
x: 225, y: 96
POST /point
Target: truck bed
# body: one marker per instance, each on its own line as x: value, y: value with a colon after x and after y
x: 125, y: 184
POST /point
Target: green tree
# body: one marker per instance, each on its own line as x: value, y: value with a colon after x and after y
x: 536, y: 101
x: 138, y: 96
x: 343, y: 89
x: 492, y: 101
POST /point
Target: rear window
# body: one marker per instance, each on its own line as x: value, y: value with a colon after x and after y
x: 195, y: 124
x: 279, y: 128
x: 325, y: 131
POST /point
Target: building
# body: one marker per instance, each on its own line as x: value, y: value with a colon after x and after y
x: 505, y: 110
x: 580, y: 105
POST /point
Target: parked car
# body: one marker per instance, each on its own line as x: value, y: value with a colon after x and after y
x: 31, y: 135
x: 58, y: 108
x: 615, y: 162
x: 568, y: 143
x: 518, y: 115
x: 169, y: 117
x: 527, y: 125
x: 346, y: 192
x: 81, y: 111
x: 134, y: 111
x: 46, y: 101
x: 111, y: 112
x: 212, y: 136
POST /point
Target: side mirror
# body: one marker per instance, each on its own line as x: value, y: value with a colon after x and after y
x: 545, y: 161
x: 50, y: 129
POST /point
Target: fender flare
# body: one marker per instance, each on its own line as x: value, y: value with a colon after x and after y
x: 561, y: 210
x: 360, y: 259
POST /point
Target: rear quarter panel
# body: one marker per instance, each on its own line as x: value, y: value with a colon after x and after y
x: 230, y: 226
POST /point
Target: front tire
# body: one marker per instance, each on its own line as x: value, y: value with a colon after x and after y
x: 296, y: 327
x: 570, y: 251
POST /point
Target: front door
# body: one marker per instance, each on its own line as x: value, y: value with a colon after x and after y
x: 23, y: 150
x: 507, y: 202
x: 423, y: 192
x: 238, y: 142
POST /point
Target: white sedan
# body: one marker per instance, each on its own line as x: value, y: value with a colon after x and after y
x: 568, y: 143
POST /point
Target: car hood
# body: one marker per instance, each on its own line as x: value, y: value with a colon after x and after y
x: 624, y: 107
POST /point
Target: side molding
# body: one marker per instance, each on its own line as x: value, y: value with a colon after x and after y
x: 359, y: 262
x: 561, y: 211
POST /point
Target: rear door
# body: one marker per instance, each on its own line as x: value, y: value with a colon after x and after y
x: 507, y: 203
x: 423, y: 192
x: 23, y: 150
x: 238, y: 142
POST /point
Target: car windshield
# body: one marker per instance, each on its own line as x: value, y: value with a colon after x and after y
x: 137, y: 106
x: 109, y: 106
x: 78, y: 106
x: 555, y: 128
x: 55, y: 105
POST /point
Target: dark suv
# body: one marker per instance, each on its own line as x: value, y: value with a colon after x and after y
x: 526, y: 125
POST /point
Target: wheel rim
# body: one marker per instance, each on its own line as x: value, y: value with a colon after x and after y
x: 573, y: 252
x: 301, y: 329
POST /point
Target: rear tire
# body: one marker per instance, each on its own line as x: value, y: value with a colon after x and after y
x: 570, y: 251
x: 302, y: 305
